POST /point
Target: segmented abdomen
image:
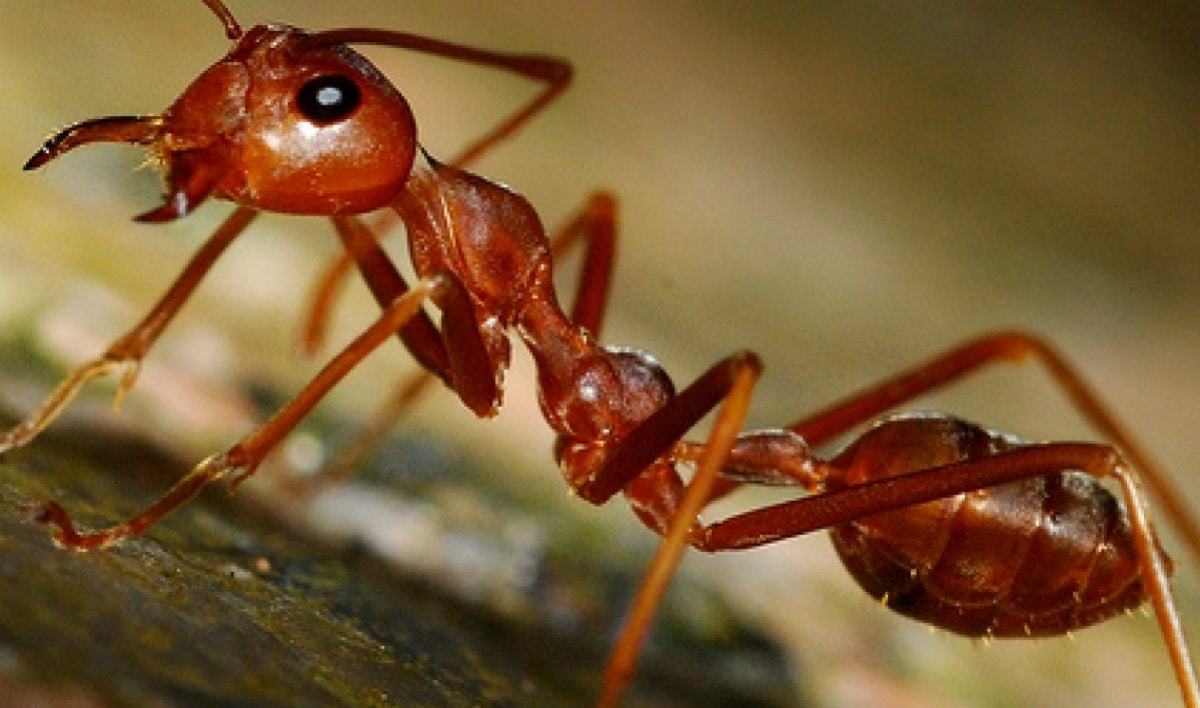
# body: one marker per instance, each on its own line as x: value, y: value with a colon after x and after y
x: 1039, y: 556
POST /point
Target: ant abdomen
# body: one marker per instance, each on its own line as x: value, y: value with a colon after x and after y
x: 1039, y: 556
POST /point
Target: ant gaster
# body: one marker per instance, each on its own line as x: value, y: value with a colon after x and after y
x: 945, y: 521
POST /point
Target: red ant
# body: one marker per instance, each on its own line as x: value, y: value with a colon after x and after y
x: 950, y: 523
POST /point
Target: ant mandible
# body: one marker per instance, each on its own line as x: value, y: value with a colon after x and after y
x: 950, y: 523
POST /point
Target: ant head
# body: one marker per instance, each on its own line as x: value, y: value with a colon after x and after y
x: 284, y: 122
x: 284, y: 126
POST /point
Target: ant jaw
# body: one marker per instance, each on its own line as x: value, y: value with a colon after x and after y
x: 140, y: 130
x: 175, y: 205
x: 191, y: 178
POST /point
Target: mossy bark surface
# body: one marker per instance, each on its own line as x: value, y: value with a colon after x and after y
x: 218, y: 605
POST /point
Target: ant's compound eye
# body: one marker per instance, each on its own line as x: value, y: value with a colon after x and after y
x: 327, y: 99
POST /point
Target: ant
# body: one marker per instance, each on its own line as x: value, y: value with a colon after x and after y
x: 950, y: 523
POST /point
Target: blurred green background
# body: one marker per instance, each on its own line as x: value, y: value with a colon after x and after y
x: 844, y: 187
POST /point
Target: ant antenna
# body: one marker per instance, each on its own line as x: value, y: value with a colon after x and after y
x: 232, y: 29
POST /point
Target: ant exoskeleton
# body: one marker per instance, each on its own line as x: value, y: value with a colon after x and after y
x: 945, y: 521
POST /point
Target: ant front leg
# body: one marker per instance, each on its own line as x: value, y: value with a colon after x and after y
x: 419, y: 335
x: 128, y: 351
x: 244, y: 458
